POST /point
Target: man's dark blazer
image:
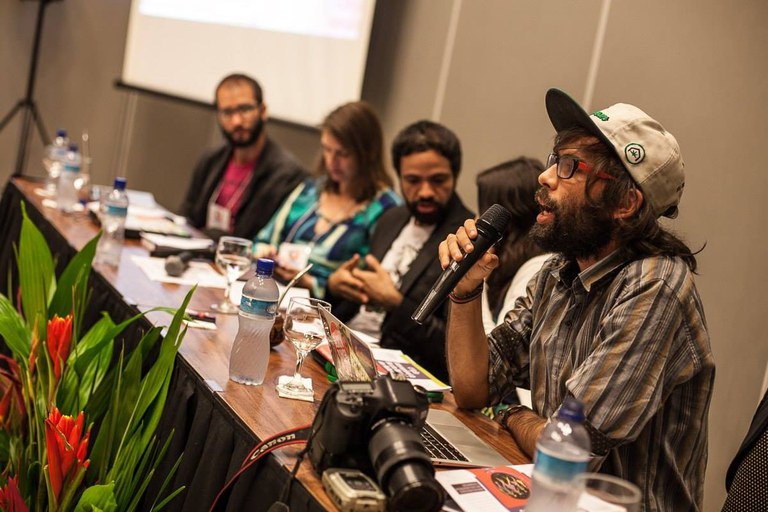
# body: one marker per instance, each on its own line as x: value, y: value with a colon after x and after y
x: 276, y: 174
x: 424, y: 343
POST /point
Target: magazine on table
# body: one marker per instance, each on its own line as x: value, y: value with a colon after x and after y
x: 498, y: 489
x: 503, y: 489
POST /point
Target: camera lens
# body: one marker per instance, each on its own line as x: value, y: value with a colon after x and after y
x: 413, y: 487
x: 403, y: 468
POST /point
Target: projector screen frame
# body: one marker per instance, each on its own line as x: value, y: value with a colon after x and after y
x: 120, y: 85
x: 294, y: 93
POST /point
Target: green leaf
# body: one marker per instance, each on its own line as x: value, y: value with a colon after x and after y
x: 101, y: 334
x: 5, y: 447
x: 167, y: 500
x: 100, y: 399
x: 167, y: 481
x: 117, y: 422
x: 14, y: 331
x: 159, y: 376
x: 36, y: 274
x: 97, y: 497
x: 86, y: 366
x: 73, y: 285
x: 135, y: 468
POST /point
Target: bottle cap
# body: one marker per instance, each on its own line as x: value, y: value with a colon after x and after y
x: 61, y: 133
x: 73, y: 147
x: 265, y: 266
x: 572, y: 409
x: 119, y: 183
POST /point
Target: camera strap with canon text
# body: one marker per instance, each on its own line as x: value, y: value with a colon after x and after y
x: 299, y: 435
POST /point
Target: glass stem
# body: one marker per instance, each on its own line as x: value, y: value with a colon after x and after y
x: 228, y: 290
x: 299, y: 361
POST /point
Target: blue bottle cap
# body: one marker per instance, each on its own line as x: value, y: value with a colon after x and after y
x: 572, y: 409
x: 265, y: 266
x: 73, y: 147
x: 119, y: 183
x: 61, y: 133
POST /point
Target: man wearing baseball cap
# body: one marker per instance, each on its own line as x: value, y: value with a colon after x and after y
x: 613, y: 319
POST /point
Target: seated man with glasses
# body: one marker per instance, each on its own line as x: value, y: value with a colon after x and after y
x: 236, y: 188
x: 613, y: 318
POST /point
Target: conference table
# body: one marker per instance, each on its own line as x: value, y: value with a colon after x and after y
x: 215, y: 421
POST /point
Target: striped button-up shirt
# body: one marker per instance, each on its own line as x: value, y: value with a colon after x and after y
x: 628, y: 338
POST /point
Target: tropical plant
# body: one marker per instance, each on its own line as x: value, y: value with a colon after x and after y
x: 78, y: 415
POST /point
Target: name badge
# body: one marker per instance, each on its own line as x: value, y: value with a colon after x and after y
x: 218, y: 218
x: 295, y: 256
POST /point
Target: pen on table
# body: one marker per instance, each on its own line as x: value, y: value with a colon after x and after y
x: 203, y: 316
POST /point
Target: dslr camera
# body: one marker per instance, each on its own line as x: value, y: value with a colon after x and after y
x: 374, y: 427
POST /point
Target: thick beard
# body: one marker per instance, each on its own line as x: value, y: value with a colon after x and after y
x: 253, y: 135
x: 427, y: 219
x: 576, y: 231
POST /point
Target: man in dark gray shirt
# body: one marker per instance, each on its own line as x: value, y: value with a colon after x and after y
x: 236, y: 188
x: 614, y: 319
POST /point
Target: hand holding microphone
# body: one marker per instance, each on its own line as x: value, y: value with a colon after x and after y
x: 460, y: 252
x: 457, y: 248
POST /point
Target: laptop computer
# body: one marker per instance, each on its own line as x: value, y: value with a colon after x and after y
x: 448, y: 441
x: 451, y: 443
x: 351, y: 356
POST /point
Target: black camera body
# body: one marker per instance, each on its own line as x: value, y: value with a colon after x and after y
x: 374, y: 426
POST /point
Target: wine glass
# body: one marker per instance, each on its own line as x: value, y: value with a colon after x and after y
x: 601, y: 489
x: 233, y: 257
x: 304, y: 327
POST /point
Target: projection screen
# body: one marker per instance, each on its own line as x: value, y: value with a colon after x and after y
x: 308, y: 55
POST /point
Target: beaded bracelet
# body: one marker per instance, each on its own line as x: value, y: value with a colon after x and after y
x: 468, y: 297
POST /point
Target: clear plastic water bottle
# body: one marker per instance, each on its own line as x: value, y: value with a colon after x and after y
x: 66, y: 198
x: 53, y: 160
x: 562, y: 454
x: 113, y: 225
x: 83, y: 188
x: 258, y: 308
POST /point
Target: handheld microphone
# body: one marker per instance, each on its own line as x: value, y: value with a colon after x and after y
x: 176, y: 264
x: 490, y: 229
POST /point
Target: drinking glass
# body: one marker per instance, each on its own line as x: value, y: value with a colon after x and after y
x: 304, y: 328
x: 233, y: 257
x: 606, y: 492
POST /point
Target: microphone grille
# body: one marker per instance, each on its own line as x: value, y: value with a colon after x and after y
x: 497, y: 217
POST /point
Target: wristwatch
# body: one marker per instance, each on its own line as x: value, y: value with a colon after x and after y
x: 502, y: 417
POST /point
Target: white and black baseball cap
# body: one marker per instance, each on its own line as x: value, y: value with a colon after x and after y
x: 648, y: 152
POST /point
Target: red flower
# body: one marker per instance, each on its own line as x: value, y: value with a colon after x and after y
x: 59, y: 340
x: 10, y: 389
x: 66, y: 447
x: 10, y: 497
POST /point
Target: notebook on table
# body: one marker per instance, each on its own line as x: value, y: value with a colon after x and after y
x: 448, y: 441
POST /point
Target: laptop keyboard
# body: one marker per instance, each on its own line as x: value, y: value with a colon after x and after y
x: 439, y: 447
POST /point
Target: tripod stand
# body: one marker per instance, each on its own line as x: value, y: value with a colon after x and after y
x: 27, y: 104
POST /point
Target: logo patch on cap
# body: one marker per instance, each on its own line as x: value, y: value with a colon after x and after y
x: 600, y: 116
x: 634, y: 152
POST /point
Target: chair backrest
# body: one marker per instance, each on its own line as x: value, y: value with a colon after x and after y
x: 747, y: 477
